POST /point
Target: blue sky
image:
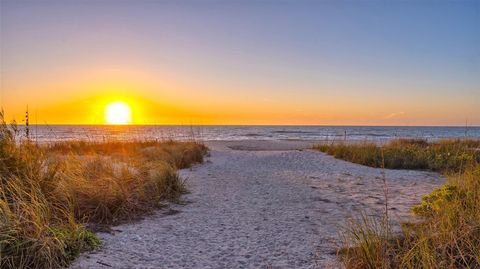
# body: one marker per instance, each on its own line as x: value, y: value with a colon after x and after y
x: 306, y: 62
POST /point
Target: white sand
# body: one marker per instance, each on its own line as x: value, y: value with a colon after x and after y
x: 259, y: 205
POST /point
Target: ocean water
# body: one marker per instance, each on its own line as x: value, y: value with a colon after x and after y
x: 48, y: 133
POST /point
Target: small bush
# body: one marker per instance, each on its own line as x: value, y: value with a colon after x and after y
x: 434, y: 202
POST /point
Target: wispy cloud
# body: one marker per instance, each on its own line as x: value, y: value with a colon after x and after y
x: 393, y: 115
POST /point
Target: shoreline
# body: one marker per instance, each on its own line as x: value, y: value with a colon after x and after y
x: 324, y: 134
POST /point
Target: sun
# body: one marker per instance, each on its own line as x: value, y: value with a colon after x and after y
x: 118, y: 113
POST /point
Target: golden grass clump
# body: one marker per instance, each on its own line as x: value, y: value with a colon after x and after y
x: 50, y: 193
x: 365, y: 243
x: 107, y: 191
x: 447, y: 233
x: 37, y: 230
x: 442, y: 156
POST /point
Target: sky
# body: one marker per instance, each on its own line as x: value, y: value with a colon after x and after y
x: 242, y: 62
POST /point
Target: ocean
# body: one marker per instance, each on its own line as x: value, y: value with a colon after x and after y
x: 48, y: 133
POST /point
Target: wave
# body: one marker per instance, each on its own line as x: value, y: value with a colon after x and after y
x: 295, y: 132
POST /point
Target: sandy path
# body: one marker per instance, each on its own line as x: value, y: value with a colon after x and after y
x: 254, y: 208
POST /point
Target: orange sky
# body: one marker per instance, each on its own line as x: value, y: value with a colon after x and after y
x: 81, y: 97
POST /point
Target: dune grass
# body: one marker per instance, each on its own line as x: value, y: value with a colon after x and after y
x: 447, y: 234
x: 441, y: 156
x: 49, y: 194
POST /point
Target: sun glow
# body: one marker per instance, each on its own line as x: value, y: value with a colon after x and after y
x: 118, y: 113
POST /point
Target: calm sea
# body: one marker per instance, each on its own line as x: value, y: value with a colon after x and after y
x: 46, y: 133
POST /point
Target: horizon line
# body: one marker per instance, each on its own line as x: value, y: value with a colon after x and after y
x: 246, y: 125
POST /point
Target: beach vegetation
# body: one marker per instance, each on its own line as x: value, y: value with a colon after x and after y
x: 450, y: 155
x: 446, y: 230
x: 52, y: 196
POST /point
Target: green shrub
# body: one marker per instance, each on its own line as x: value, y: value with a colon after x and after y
x: 435, y: 201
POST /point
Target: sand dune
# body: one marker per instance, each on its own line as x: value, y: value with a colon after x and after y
x: 257, y: 204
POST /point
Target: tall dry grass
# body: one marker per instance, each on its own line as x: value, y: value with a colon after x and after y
x: 49, y: 193
x: 447, y: 234
x: 442, y: 156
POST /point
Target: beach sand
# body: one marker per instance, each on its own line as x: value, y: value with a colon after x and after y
x: 259, y: 204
